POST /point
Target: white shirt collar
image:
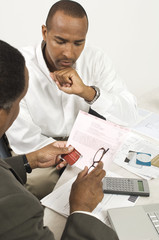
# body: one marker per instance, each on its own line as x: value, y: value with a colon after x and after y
x: 41, y: 60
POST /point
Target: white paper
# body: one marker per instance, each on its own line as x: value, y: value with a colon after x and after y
x: 149, y: 125
x: 58, y: 201
x: 138, y: 144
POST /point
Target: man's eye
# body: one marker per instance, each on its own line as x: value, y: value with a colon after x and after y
x: 60, y: 42
x: 77, y: 44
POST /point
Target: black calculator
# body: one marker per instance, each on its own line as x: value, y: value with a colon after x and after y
x: 126, y: 186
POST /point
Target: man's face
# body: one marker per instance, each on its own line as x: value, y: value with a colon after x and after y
x: 65, y: 40
x: 7, y: 118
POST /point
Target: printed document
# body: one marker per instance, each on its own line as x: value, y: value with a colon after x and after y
x: 90, y: 133
x: 148, y: 124
x: 137, y: 154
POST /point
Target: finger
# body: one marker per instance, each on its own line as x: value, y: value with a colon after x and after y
x: 60, y: 143
x: 63, y: 78
x: 101, y: 175
x: 97, y: 169
x: 98, y: 173
x: 60, y: 162
x: 100, y: 165
x: 60, y: 78
x: 58, y: 85
x: 58, y: 159
x: 65, y: 89
x: 61, y: 165
x: 63, y: 150
x: 83, y: 173
x: 52, y: 75
x: 54, y: 78
x: 68, y: 85
x: 98, y: 177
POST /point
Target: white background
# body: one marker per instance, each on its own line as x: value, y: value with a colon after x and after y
x: 128, y: 30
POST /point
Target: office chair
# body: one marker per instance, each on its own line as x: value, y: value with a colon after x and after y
x: 94, y: 113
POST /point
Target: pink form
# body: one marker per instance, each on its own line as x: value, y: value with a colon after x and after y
x: 90, y: 133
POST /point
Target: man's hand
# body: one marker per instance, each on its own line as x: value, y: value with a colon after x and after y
x: 49, y: 155
x: 87, y: 190
x: 69, y: 82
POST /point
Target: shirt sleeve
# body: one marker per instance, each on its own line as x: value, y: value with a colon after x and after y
x: 115, y: 103
x: 29, y: 137
x: 84, y: 212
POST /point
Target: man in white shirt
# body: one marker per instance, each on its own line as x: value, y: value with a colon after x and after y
x: 66, y: 76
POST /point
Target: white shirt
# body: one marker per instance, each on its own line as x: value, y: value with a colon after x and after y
x: 46, y: 112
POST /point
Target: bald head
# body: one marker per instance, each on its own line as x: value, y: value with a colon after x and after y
x: 70, y: 8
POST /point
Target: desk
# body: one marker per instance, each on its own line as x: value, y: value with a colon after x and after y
x: 56, y: 222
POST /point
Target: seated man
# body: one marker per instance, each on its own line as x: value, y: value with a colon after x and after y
x: 65, y: 77
x: 21, y: 215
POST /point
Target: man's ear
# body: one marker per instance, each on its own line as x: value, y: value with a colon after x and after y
x: 2, y: 113
x: 3, y: 120
x: 44, y: 32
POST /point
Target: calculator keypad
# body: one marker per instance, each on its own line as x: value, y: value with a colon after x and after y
x: 121, y: 184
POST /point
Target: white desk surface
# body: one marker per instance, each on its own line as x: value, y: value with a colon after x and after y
x: 56, y: 222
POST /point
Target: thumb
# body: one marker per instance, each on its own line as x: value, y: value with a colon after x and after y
x: 63, y: 150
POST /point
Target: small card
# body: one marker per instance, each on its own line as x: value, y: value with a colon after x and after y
x: 72, y: 157
x: 155, y: 161
x: 143, y: 159
x: 138, y: 159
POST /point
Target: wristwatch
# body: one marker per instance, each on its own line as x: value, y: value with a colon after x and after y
x: 26, y: 164
x: 96, y: 96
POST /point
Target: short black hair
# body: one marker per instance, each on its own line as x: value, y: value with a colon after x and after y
x: 70, y: 8
x: 12, y: 75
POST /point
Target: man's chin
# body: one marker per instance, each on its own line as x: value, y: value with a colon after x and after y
x: 63, y: 67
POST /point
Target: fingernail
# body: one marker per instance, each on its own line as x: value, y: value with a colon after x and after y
x: 70, y: 147
x: 61, y: 165
x: 57, y: 167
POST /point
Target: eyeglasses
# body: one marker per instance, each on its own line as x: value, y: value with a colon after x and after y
x: 98, y: 156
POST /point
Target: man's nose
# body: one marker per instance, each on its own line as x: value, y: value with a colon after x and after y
x: 68, y: 50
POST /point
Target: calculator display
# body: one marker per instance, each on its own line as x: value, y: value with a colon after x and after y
x: 141, y: 186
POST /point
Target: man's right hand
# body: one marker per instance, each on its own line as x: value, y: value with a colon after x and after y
x: 70, y: 82
x: 87, y: 190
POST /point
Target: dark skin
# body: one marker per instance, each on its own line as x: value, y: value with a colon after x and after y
x: 87, y: 190
x: 65, y: 41
x: 49, y: 155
